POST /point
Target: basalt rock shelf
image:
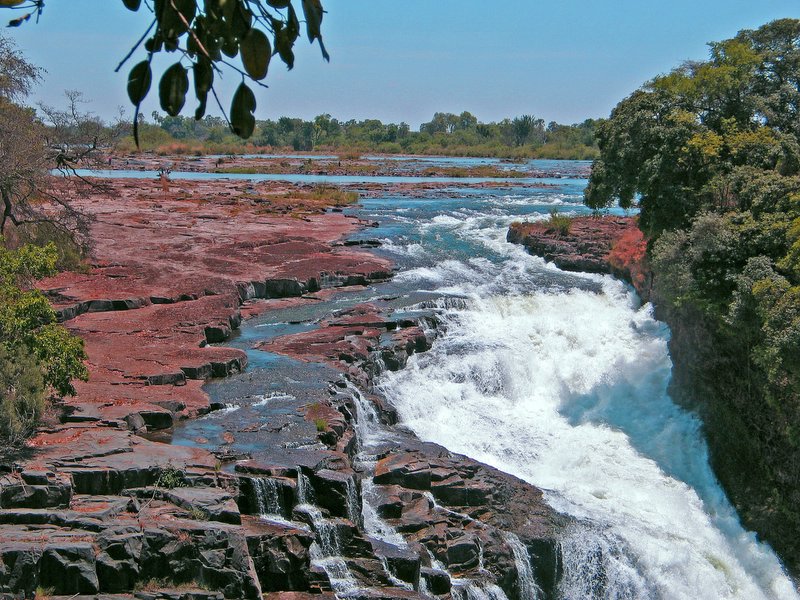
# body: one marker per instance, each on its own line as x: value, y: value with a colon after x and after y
x: 321, y: 494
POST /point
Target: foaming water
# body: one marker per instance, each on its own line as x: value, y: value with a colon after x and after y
x: 568, y: 391
x: 561, y: 379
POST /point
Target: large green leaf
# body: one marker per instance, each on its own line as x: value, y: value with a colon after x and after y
x: 256, y: 52
x: 203, y: 75
x: 132, y: 4
x: 139, y: 80
x: 172, y: 89
x: 174, y: 16
x: 243, y: 106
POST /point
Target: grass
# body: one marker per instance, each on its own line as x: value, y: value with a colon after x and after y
x: 321, y: 424
x: 559, y: 222
x: 198, y: 514
x: 170, y: 478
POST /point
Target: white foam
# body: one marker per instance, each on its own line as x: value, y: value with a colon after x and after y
x: 568, y: 391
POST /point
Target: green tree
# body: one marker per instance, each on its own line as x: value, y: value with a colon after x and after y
x: 710, y: 153
x: 37, y: 356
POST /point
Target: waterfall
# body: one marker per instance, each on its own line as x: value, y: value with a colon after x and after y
x: 577, y: 383
x: 326, y: 551
x: 598, y: 565
x: 353, y: 509
x: 394, y: 580
x: 368, y: 424
x: 528, y: 590
x: 268, y: 496
x: 305, y: 492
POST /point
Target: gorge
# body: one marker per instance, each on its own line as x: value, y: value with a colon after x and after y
x: 328, y: 465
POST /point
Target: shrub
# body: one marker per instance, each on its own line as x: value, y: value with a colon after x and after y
x: 37, y: 356
x: 170, y: 478
x: 559, y: 222
x: 22, y: 394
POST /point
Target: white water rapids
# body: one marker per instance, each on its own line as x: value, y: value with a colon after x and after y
x: 566, y: 388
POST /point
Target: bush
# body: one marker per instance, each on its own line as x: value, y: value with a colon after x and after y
x: 37, y: 356
x: 559, y: 222
x: 22, y: 394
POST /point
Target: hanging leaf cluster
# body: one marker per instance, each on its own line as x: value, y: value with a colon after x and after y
x: 207, y: 35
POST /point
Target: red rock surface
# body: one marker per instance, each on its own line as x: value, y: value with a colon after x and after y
x: 606, y: 244
x: 171, y: 270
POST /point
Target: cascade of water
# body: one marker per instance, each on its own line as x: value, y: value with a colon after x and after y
x: 528, y: 590
x: 326, y: 550
x: 268, y: 496
x: 373, y: 524
x: 394, y: 580
x: 368, y: 424
x: 577, y: 382
x: 305, y: 492
x: 598, y: 565
x: 353, y: 511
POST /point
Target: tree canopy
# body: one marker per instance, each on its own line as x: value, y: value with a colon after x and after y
x: 710, y: 152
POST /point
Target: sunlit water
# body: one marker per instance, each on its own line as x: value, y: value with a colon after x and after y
x: 562, y: 380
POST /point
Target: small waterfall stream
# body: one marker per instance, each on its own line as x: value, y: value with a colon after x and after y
x: 528, y: 590
x: 268, y: 498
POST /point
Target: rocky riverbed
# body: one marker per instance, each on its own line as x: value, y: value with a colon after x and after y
x: 286, y: 495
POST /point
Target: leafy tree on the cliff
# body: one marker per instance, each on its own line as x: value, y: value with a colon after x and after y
x: 711, y: 154
x: 38, y: 357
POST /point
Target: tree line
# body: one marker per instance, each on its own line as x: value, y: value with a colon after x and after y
x: 445, y: 133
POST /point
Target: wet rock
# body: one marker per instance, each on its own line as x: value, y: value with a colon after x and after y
x: 404, y: 563
x: 405, y: 470
x: 437, y: 582
x: 280, y: 554
x: 336, y: 492
x: 462, y: 553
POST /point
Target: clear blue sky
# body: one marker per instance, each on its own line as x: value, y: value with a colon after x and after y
x: 562, y: 60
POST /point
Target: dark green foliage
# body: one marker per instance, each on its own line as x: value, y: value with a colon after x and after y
x: 37, y: 356
x: 22, y: 394
x: 206, y: 33
x: 243, y: 120
x: 711, y: 155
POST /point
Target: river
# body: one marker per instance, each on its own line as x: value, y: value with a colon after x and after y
x: 560, y: 379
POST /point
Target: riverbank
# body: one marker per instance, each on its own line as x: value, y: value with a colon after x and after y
x: 102, y: 502
x: 604, y: 244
